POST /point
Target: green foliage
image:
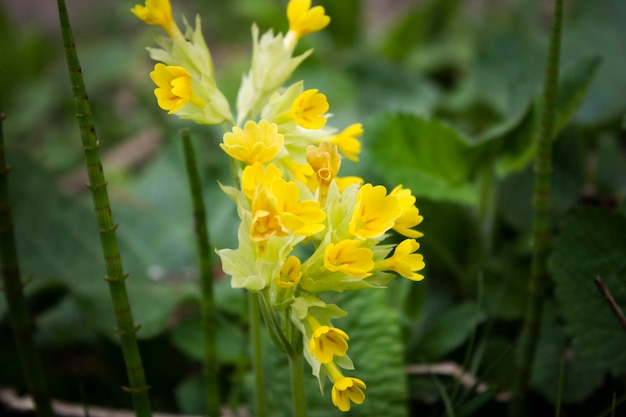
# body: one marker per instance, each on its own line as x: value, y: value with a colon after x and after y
x: 592, y: 243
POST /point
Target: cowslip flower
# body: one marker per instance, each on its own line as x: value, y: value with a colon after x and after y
x: 158, y: 13
x: 326, y: 342
x: 256, y: 174
x: 348, y: 257
x: 254, y: 143
x: 374, y: 212
x: 173, y: 88
x: 309, y: 108
x: 304, y: 218
x: 289, y: 274
x: 325, y: 161
x: 345, y: 389
x: 410, y: 216
x: 265, y: 216
x: 347, y: 141
x: 304, y: 20
x: 404, y: 261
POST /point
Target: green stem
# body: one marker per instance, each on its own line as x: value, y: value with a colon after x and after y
x: 209, y: 315
x: 257, y: 354
x: 18, y: 311
x: 297, y: 383
x: 110, y: 249
x: 539, y: 276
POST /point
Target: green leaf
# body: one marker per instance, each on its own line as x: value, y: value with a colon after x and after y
x: 427, y: 156
x: 553, y: 345
x: 592, y: 243
x: 450, y: 331
x: 573, y: 86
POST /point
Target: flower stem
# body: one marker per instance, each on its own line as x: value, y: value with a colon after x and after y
x: 110, y: 249
x: 539, y: 277
x: 209, y: 315
x: 18, y: 311
x: 257, y: 354
x: 297, y: 383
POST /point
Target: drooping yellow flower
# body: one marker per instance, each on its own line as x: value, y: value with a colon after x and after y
x: 173, y: 88
x: 303, y: 19
x: 347, y: 141
x: 326, y: 342
x: 265, y: 216
x: 345, y: 389
x: 374, y: 212
x: 410, y: 216
x: 304, y: 218
x: 255, y: 143
x: 325, y: 161
x: 290, y: 273
x: 348, y: 257
x: 159, y: 13
x: 308, y: 109
x: 404, y: 261
x: 256, y: 174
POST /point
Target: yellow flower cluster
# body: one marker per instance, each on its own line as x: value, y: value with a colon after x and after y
x: 289, y: 192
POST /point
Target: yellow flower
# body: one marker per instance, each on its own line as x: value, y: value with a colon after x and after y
x: 349, y: 258
x: 345, y: 390
x: 302, y: 172
x: 410, y: 216
x: 308, y: 109
x: 304, y: 218
x: 347, y: 141
x: 256, y: 174
x: 159, y: 13
x: 303, y: 19
x: 328, y: 341
x: 265, y: 216
x: 404, y: 261
x: 290, y: 273
x: 173, y: 88
x: 325, y: 161
x: 255, y: 143
x: 374, y: 212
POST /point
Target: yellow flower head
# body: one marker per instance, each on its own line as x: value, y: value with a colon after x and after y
x: 325, y: 161
x: 374, y: 212
x: 159, y: 13
x: 289, y: 274
x: 255, y: 143
x: 308, y: 109
x: 265, y: 216
x: 304, y: 218
x: 328, y: 341
x: 410, y: 216
x: 349, y: 258
x: 256, y: 174
x: 404, y: 261
x: 173, y: 88
x: 303, y: 19
x: 347, y: 141
x: 345, y: 390
x: 302, y: 172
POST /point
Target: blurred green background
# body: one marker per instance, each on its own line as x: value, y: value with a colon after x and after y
x: 448, y: 92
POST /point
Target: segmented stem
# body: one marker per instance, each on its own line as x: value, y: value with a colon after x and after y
x: 209, y: 315
x: 110, y: 249
x: 539, y: 277
x: 19, y: 318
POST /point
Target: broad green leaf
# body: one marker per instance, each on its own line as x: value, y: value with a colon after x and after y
x: 427, y: 156
x: 573, y: 86
x: 592, y: 243
x: 553, y: 345
x: 450, y: 331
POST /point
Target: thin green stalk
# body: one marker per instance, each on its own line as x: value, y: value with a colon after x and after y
x: 257, y: 354
x: 539, y: 276
x: 19, y: 318
x: 297, y: 383
x: 97, y: 184
x: 209, y: 315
